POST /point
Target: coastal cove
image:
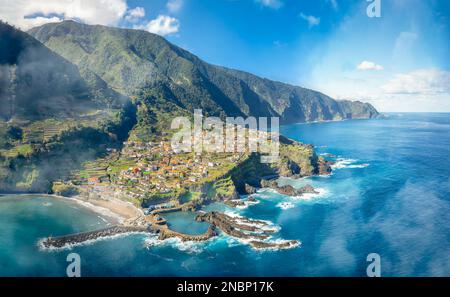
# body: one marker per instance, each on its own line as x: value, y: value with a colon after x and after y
x: 388, y: 182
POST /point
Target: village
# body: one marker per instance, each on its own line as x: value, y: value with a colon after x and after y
x: 142, y: 171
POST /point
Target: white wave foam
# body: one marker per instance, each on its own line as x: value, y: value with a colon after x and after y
x: 309, y: 196
x: 342, y: 163
x: 246, y: 204
x: 285, y: 205
x: 280, y: 241
x: 359, y: 165
x: 104, y: 220
x: 267, y: 190
x: 266, y: 193
x: 190, y: 247
x: 327, y: 155
x: 100, y: 210
x: 260, y: 224
x: 232, y: 214
x: 328, y: 175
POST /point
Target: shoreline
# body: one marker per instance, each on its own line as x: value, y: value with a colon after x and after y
x: 123, y: 218
x: 112, y: 211
x: 112, y: 208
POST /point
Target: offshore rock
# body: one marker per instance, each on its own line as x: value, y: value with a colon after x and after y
x: 289, y: 190
x: 249, y: 189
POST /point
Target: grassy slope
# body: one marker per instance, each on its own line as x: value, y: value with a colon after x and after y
x: 163, y: 81
x: 130, y: 60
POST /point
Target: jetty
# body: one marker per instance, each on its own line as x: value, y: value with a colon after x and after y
x: 257, y: 233
x: 77, y: 238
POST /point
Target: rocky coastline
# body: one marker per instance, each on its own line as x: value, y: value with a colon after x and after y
x: 288, y: 190
x: 255, y: 232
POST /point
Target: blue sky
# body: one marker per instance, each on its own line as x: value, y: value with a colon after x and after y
x: 398, y: 62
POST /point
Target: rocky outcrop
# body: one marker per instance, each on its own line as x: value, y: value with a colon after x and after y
x: 256, y: 232
x: 324, y: 167
x: 231, y: 226
x: 165, y: 233
x: 269, y: 183
x: 234, y: 203
x: 271, y: 245
x: 288, y: 190
x: 308, y: 189
x: 193, y: 205
x: 249, y: 189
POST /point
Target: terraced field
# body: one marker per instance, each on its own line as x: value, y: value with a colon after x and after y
x: 24, y: 150
x: 94, y: 169
x: 121, y: 164
x: 43, y: 131
x: 33, y: 136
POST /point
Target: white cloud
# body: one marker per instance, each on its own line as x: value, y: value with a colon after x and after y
x: 28, y: 13
x: 39, y: 21
x: 423, y: 81
x: 135, y: 14
x: 174, y: 5
x: 312, y: 20
x: 162, y: 25
x: 367, y: 65
x: 271, y: 3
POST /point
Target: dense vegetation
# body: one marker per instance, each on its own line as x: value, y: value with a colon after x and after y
x: 36, y: 83
x: 132, y: 60
x: 73, y: 92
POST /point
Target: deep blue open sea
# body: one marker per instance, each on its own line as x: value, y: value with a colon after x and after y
x: 389, y: 194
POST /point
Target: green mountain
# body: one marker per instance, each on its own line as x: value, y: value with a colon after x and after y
x: 133, y: 61
x: 72, y: 94
x: 52, y: 117
x: 37, y: 83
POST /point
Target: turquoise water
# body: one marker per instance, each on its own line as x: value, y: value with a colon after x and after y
x: 389, y: 194
x: 25, y: 219
x: 184, y: 222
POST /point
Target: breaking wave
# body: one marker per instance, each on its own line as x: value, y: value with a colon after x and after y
x: 286, y: 205
x: 342, y: 163
x: 190, y: 247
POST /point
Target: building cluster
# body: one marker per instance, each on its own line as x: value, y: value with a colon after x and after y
x: 156, y: 169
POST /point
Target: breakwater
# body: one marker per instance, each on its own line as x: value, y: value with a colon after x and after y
x: 62, y: 241
x: 165, y: 232
x: 255, y: 232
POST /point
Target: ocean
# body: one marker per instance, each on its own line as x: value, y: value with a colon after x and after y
x: 389, y: 194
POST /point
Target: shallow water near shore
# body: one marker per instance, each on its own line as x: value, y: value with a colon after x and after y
x: 389, y: 194
x: 184, y: 222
